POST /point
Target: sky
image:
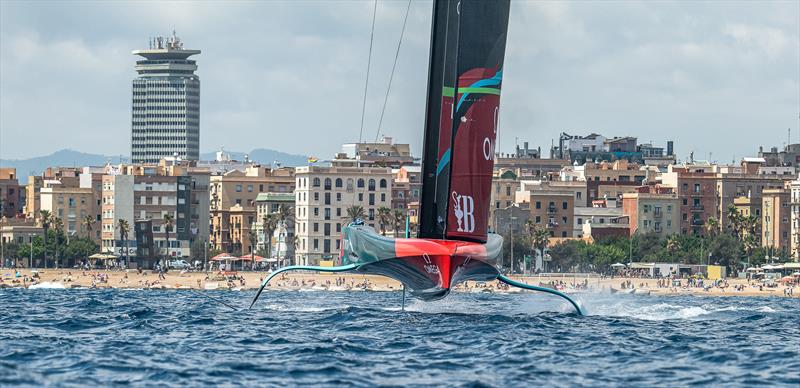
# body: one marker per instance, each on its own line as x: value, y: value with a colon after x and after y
x: 719, y: 78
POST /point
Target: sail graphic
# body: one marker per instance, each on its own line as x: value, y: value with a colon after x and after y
x: 457, y: 182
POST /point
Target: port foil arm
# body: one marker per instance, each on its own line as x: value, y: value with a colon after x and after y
x: 343, y: 268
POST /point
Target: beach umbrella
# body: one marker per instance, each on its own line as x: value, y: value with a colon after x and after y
x: 224, y: 257
x: 617, y: 265
x: 787, y: 279
x: 252, y: 257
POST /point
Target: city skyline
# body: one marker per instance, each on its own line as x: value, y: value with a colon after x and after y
x: 685, y: 73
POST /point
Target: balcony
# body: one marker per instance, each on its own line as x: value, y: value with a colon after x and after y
x: 658, y: 214
x: 551, y: 210
x: 697, y: 208
x: 697, y: 222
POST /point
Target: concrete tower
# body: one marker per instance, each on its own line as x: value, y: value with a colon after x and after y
x: 166, y: 103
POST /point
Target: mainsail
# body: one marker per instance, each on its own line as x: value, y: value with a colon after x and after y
x: 466, y: 68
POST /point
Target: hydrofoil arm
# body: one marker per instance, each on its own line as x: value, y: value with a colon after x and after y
x: 343, y: 268
x: 542, y: 289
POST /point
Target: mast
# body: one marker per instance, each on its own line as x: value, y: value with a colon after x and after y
x: 465, y: 74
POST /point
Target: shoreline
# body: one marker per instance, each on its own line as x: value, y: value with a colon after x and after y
x: 131, y: 279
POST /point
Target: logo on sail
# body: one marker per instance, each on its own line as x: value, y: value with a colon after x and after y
x: 463, y: 209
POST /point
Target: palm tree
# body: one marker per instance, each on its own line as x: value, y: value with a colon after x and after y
x: 385, y: 218
x: 734, y: 220
x: 168, y: 221
x: 124, y: 230
x: 284, y: 214
x: 88, y: 221
x: 268, y: 224
x: 44, y: 217
x: 58, y: 227
x: 674, y: 244
x: 253, y: 236
x: 398, y: 218
x: 540, y: 238
x: 712, y: 226
x: 355, y: 212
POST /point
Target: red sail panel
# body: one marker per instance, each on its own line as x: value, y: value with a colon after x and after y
x: 482, y: 39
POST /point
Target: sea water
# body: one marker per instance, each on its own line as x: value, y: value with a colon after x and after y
x: 184, y: 338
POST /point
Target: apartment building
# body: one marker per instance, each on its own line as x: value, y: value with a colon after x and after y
x: 72, y: 205
x: 11, y: 194
x: 148, y: 193
x: 281, y: 240
x: 554, y: 210
x: 775, y: 219
x: 504, y: 192
x: 322, y: 197
x: 242, y: 188
x: 62, y: 176
x: 407, y: 187
x: 652, y: 209
x: 384, y: 153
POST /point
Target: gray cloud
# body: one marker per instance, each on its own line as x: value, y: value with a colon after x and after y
x: 716, y: 77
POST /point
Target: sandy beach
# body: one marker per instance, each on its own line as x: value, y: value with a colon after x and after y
x: 131, y: 279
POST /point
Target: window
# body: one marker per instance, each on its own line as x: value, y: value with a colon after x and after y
x: 383, y: 183
x: 316, y: 196
x: 316, y: 244
x: 249, y: 188
x: 371, y: 214
x: 578, y: 195
x: 338, y: 212
x: 360, y: 183
x: 371, y: 199
x: 538, y: 205
x: 338, y: 228
x: 327, y: 213
x: 349, y: 184
x: 508, y: 190
x: 338, y: 182
x: 338, y: 197
x: 564, y: 233
x: 360, y: 197
x: 327, y: 183
x: 316, y: 183
x: 326, y: 248
x: 327, y: 198
x: 261, y: 188
x: 326, y: 230
x: 564, y: 205
x: 316, y: 227
x: 316, y: 212
x: 538, y: 219
x: 238, y: 188
x: 371, y: 185
x: 580, y: 221
x: 696, y: 187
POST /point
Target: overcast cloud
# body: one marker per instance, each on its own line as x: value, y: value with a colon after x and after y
x: 715, y: 77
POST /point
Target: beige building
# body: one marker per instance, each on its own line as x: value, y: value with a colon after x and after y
x: 504, y: 192
x: 794, y: 201
x: 322, y: 197
x: 652, y: 209
x: 382, y: 154
x: 11, y: 194
x: 62, y: 176
x: 72, y: 205
x: 242, y: 188
x: 554, y: 210
x: 775, y: 219
x: 281, y: 240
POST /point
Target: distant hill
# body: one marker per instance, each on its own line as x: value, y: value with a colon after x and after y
x: 72, y: 158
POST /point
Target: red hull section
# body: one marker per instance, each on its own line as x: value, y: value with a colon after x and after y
x: 428, y: 267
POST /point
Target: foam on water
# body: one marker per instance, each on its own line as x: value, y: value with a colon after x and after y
x: 48, y: 285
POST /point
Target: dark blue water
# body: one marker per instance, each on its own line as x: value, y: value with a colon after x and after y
x: 106, y: 337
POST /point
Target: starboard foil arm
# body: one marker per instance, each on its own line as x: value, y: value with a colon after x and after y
x: 343, y: 268
x: 542, y: 289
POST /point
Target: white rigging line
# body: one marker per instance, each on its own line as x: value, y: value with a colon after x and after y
x: 391, y: 76
x: 369, y: 60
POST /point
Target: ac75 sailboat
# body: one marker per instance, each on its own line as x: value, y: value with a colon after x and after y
x: 453, y: 244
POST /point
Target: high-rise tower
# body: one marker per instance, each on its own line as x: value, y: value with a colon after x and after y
x: 166, y: 103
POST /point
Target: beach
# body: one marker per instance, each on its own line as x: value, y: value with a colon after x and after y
x: 249, y: 280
